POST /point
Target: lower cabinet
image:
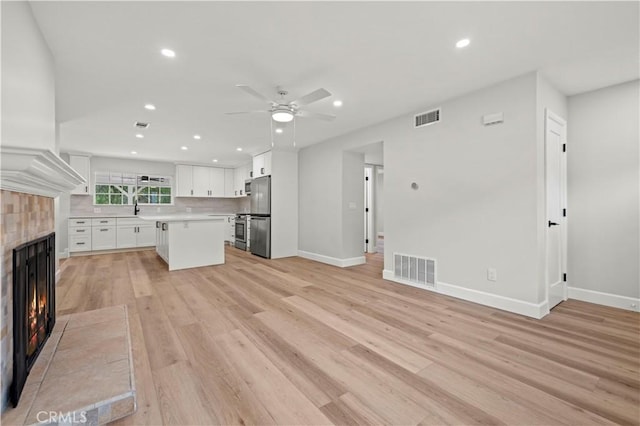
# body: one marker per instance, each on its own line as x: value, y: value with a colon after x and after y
x: 162, y: 240
x: 135, y: 233
x: 101, y: 233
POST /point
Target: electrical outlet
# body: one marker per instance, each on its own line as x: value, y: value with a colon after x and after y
x: 492, y: 274
x: 188, y: 209
x: 97, y: 209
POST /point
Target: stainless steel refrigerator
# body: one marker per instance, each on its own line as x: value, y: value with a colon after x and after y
x: 261, y: 217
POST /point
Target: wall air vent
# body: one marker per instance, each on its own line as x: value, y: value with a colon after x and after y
x: 426, y: 118
x: 414, y: 270
x: 140, y: 125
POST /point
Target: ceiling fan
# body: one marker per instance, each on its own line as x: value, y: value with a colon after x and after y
x: 283, y: 111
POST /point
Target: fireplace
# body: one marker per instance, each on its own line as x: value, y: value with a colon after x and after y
x: 33, y: 305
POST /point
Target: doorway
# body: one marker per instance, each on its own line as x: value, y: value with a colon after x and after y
x: 556, y: 196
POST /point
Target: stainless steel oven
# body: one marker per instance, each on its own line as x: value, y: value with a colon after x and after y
x: 242, y: 231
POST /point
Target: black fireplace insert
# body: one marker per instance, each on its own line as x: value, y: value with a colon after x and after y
x: 34, y: 312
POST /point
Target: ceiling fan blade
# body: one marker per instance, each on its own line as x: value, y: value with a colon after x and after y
x: 312, y: 97
x: 254, y: 93
x: 318, y: 115
x: 246, y: 112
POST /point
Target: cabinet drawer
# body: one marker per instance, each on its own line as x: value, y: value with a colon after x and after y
x: 80, y: 230
x: 79, y: 222
x: 80, y: 243
x: 103, y: 221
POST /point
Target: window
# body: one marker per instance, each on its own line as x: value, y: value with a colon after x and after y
x: 125, y: 188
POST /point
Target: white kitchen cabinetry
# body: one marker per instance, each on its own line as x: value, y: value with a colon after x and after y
x: 82, y: 165
x: 229, y: 182
x: 184, y: 181
x: 79, y: 235
x: 103, y: 237
x: 230, y: 233
x: 133, y: 232
x: 262, y: 165
x: 199, y: 181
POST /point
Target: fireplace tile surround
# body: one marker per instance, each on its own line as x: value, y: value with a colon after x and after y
x: 23, y: 217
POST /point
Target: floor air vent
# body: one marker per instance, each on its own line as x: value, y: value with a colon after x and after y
x: 417, y: 270
x: 426, y: 118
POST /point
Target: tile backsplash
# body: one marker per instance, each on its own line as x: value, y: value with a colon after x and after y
x: 83, y: 205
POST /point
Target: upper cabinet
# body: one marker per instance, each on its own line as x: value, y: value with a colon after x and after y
x: 82, y: 165
x: 229, y: 182
x: 262, y: 165
x: 200, y: 181
x: 184, y: 181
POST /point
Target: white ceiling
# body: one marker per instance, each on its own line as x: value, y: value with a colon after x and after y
x: 383, y: 59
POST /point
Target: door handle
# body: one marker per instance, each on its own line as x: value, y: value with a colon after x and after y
x: 553, y: 224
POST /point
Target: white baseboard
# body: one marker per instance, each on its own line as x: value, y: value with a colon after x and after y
x: 342, y: 263
x: 63, y: 254
x: 57, y: 276
x: 533, y: 310
x: 606, y: 299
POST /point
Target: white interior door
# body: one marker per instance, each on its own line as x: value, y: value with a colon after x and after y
x: 556, y: 224
x: 369, y: 224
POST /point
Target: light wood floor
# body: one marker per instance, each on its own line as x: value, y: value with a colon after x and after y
x: 297, y: 342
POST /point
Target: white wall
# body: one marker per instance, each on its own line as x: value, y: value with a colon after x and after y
x: 353, y: 206
x: 604, y: 191
x: 28, y: 84
x: 284, y: 204
x: 477, y: 202
x: 28, y: 119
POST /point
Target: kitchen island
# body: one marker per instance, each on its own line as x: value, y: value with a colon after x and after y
x: 189, y: 240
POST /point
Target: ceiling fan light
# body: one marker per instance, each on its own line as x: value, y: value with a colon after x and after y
x: 282, y: 116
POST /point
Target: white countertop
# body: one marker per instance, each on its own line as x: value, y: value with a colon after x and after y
x: 181, y: 217
x: 98, y: 215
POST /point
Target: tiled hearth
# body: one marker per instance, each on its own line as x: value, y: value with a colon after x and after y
x: 24, y: 217
x: 84, y: 374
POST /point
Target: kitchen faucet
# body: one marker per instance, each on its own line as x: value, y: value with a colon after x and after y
x: 136, y: 209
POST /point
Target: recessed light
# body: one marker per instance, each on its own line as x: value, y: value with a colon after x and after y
x: 139, y: 135
x: 197, y: 137
x: 337, y: 103
x: 279, y: 130
x: 184, y: 148
x: 238, y: 149
x: 463, y: 43
x: 215, y: 160
x: 150, y: 107
x: 168, y: 53
x: 134, y: 152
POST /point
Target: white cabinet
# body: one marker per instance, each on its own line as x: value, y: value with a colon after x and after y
x: 126, y: 236
x: 199, y: 181
x: 229, y: 182
x: 262, y: 165
x: 230, y: 233
x: 79, y: 235
x: 133, y: 232
x: 162, y: 240
x: 146, y: 236
x: 184, y: 181
x: 241, y: 174
x: 103, y: 237
x: 82, y: 165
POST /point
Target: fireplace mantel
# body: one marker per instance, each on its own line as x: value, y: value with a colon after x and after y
x: 36, y: 171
